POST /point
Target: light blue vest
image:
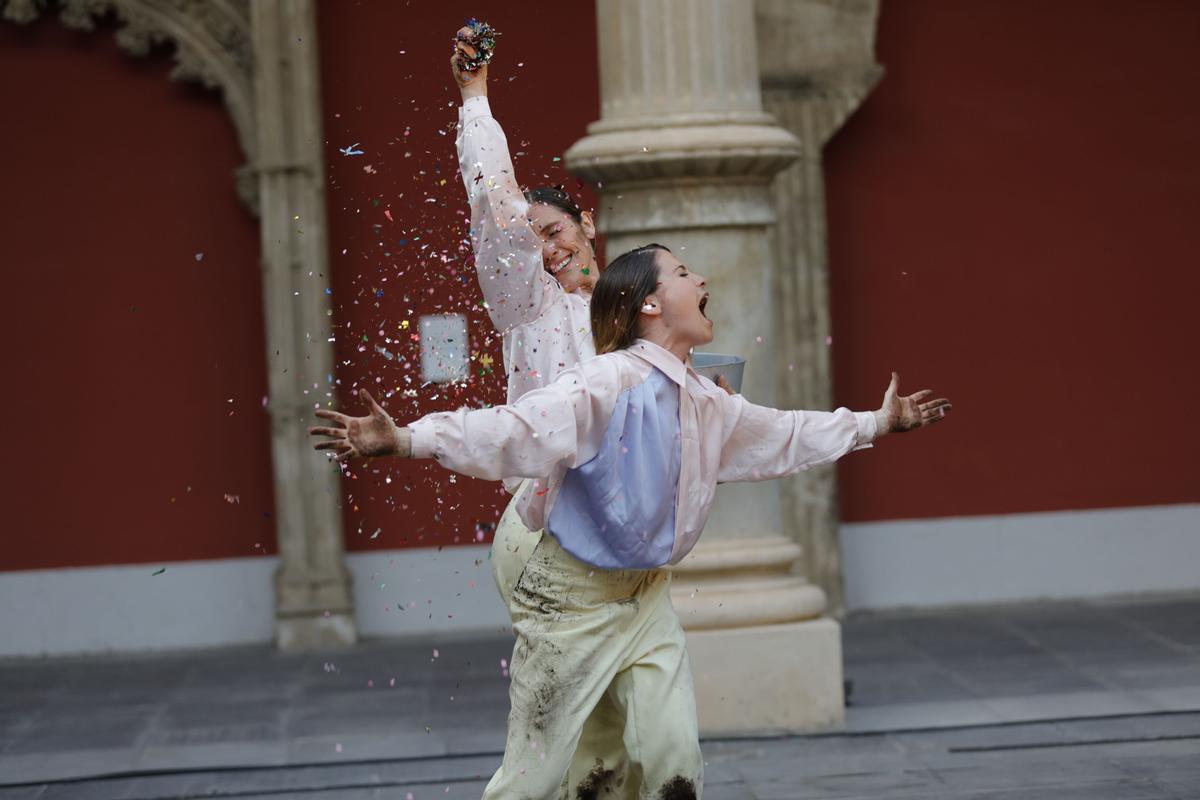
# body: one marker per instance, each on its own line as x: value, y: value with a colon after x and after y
x: 617, y: 511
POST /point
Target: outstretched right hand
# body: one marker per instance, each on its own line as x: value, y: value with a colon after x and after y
x: 357, y: 437
x: 472, y: 83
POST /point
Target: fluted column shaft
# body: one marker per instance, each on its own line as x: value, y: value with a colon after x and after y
x: 684, y: 155
x: 313, y: 600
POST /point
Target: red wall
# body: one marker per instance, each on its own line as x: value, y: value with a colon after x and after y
x: 386, y: 83
x: 1013, y: 221
x: 1009, y: 222
x: 124, y: 351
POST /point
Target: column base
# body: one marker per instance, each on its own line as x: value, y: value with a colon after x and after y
x: 314, y: 632
x: 768, y: 678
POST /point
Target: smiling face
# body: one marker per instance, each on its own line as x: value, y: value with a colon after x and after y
x: 567, y: 252
x: 675, y: 313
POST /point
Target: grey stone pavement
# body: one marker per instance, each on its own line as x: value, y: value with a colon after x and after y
x: 1090, y: 700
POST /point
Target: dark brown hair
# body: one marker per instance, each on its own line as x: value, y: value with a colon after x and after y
x: 618, y: 296
x: 555, y: 197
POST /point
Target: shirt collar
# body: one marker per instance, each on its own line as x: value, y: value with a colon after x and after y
x: 661, y: 358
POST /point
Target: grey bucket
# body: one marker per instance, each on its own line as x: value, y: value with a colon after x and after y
x: 714, y: 365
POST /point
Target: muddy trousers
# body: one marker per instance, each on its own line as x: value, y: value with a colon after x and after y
x: 602, y: 741
x: 597, y: 651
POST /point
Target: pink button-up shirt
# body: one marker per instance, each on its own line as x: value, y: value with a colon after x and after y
x: 562, y: 426
x: 545, y: 329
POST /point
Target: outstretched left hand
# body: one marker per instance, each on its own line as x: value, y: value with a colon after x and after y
x: 899, y: 414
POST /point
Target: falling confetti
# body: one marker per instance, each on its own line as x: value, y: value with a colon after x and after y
x: 351, y: 150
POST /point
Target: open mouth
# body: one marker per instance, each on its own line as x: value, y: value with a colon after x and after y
x: 704, y: 305
x: 554, y: 269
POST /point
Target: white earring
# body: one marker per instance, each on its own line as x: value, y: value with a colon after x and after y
x: 647, y: 307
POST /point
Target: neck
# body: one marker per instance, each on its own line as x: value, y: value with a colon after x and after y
x: 671, y: 344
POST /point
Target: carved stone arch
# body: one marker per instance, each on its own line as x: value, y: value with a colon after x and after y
x: 262, y: 55
x: 213, y: 47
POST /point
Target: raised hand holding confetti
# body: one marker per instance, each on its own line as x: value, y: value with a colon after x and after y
x: 481, y: 38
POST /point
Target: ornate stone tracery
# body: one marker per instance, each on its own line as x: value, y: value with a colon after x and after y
x: 261, y: 55
x: 213, y: 46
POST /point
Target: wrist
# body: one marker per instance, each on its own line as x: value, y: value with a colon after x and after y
x: 882, y: 427
x: 476, y: 88
x: 402, y: 441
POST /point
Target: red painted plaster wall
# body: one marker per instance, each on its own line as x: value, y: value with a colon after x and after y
x: 135, y: 370
x: 1013, y: 220
x: 387, y: 87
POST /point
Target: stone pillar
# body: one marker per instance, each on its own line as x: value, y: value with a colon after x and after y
x: 684, y: 155
x: 313, y: 603
x: 816, y: 58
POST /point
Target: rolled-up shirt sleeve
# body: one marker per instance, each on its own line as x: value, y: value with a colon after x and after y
x: 556, y: 426
x: 508, y: 252
x: 763, y: 443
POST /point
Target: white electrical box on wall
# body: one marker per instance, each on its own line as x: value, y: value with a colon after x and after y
x: 444, y: 348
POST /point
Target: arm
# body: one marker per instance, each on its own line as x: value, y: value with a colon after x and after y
x: 508, y: 252
x: 528, y: 438
x: 763, y: 443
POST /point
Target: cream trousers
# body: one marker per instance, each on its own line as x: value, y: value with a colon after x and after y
x: 602, y: 698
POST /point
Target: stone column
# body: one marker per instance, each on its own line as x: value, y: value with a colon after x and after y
x: 684, y: 155
x: 817, y: 63
x: 313, y: 605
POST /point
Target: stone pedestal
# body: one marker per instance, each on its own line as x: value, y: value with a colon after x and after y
x: 684, y: 155
x: 784, y: 677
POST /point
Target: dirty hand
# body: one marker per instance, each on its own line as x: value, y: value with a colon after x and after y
x: 359, y: 437
x: 472, y: 83
x: 899, y: 414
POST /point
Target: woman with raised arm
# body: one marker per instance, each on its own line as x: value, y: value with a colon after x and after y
x: 626, y: 450
x: 536, y: 263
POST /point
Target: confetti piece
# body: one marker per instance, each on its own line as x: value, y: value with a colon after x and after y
x: 351, y: 150
x: 199, y: 256
x: 159, y: 571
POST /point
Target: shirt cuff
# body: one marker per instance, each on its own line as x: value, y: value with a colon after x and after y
x: 424, y: 438
x: 866, y: 429
x: 473, y: 108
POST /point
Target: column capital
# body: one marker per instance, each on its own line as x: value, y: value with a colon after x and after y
x: 701, y: 151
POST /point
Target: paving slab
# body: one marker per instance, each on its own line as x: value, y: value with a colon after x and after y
x: 1047, y: 700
